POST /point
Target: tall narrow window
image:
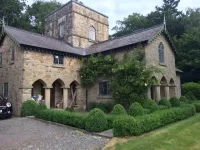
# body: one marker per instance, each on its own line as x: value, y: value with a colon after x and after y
x: 0, y: 59
x: 161, y: 53
x: 58, y: 59
x: 13, y: 54
x: 5, y: 90
x: 104, y: 88
x: 62, y: 30
x: 92, y: 33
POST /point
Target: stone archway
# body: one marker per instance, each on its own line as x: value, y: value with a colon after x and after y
x: 153, y: 89
x: 73, y: 91
x: 38, y: 89
x: 172, y: 88
x: 56, y: 98
x: 163, y: 84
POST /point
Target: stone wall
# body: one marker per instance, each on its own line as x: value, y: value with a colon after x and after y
x: 11, y: 73
x: 77, y: 20
x: 39, y: 66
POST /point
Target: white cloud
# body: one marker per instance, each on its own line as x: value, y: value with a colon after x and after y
x: 118, y: 9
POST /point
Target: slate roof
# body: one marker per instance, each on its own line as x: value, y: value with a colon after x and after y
x: 37, y: 40
x: 26, y: 38
x: 134, y: 38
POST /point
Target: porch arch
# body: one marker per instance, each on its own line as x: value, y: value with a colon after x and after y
x: 38, y: 89
x: 172, y: 88
x: 73, y: 92
x: 163, y: 84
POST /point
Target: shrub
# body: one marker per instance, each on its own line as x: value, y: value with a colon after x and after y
x: 118, y: 110
x: 165, y: 102
x: 63, y: 117
x: 191, y: 87
x: 128, y: 126
x: 96, y: 121
x: 183, y: 99
x: 174, y: 102
x: 136, y: 110
x: 40, y: 106
x: 151, y: 105
x: 190, y: 96
x: 106, y: 106
x: 28, y: 108
x: 112, y: 118
x: 197, y: 106
x: 162, y: 107
x: 70, y: 109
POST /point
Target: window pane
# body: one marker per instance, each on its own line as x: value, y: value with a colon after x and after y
x: 92, y: 33
x: 104, y: 88
x: 5, y: 89
x: 62, y: 30
x: 13, y: 54
x: 61, y: 60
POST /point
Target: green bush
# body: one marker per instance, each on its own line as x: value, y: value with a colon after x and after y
x: 28, y: 108
x: 105, y: 107
x: 112, y: 118
x: 183, y: 99
x: 118, y: 110
x: 96, y: 121
x: 70, y: 109
x: 197, y: 106
x: 40, y: 106
x: 128, y: 126
x: 175, y: 102
x: 190, y: 96
x: 63, y: 117
x: 136, y: 109
x: 150, y: 105
x: 191, y: 87
x: 162, y: 107
x: 165, y: 102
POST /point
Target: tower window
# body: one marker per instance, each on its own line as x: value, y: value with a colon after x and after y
x: 62, y: 30
x: 92, y: 33
x: 161, y: 53
x: 58, y: 59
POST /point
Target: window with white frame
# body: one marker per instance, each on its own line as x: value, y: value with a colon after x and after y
x: 5, y: 90
x: 58, y: 59
x: 92, y: 33
x: 161, y: 53
x: 104, y: 88
x: 62, y: 30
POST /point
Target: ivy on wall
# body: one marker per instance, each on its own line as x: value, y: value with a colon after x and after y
x: 129, y: 78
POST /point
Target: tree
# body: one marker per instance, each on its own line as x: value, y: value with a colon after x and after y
x: 11, y: 10
x: 130, y: 24
x: 33, y: 18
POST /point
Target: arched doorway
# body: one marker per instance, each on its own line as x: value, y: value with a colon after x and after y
x: 38, y: 90
x: 56, y: 100
x: 163, y: 83
x: 172, y: 88
x: 73, y: 94
x: 153, y: 89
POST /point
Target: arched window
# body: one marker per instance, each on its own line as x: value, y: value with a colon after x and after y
x: 92, y: 33
x: 161, y: 53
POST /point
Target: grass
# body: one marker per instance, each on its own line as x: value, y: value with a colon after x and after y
x: 183, y: 135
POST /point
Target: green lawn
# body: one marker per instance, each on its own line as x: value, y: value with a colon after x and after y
x: 183, y: 135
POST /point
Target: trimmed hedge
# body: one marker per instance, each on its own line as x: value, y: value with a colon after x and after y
x: 175, y: 102
x: 184, y: 99
x: 40, y: 107
x: 118, y: 110
x: 197, y: 106
x: 136, y: 110
x: 105, y: 107
x: 96, y: 121
x: 28, y: 108
x: 63, y: 117
x: 165, y: 102
x: 128, y: 126
x: 150, y: 105
x: 191, y: 87
x: 190, y: 96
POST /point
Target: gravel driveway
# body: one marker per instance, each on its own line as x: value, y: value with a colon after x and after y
x: 29, y: 134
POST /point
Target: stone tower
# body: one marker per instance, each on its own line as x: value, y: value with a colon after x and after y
x: 77, y: 24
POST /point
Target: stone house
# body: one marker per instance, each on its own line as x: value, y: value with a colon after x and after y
x: 48, y: 65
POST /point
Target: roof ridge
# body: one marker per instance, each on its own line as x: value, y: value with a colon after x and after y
x: 22, y: 30
x: 134, y: 32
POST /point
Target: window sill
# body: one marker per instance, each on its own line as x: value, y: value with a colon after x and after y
x: 93, y: 41
x: 104, y: 97
x: 162, y: 64
x: 58, y: 66
x: 12, y: 62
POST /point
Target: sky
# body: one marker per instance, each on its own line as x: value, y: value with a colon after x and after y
x: 119, y: 9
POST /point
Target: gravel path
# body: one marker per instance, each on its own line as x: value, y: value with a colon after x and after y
x: 29, y: 134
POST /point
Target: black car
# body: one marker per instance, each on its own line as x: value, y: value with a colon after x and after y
x: 5, y: 107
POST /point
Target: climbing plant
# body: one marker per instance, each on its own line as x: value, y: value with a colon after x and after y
x: 129, y: 78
